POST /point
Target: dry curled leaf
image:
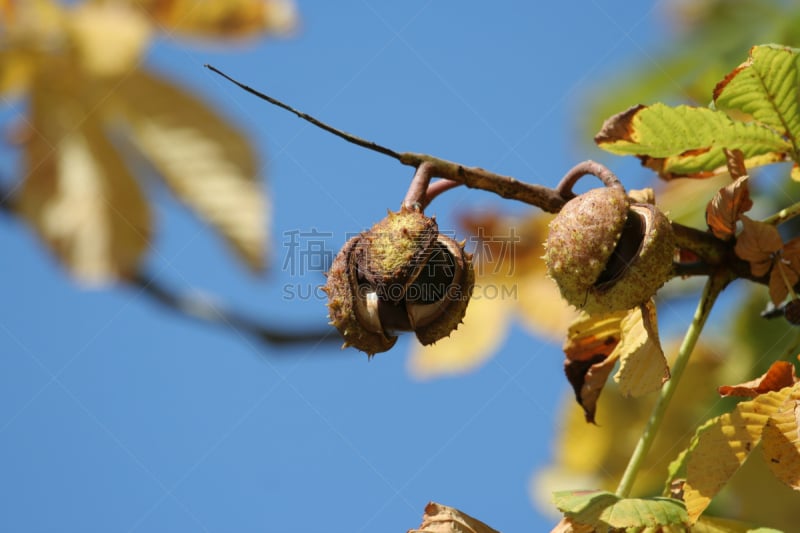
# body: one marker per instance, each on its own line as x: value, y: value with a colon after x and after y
x: 758, y: 244
x: 734, y: 159
x: 439, y: 518
x: 780, y: 374
x: 591, y: 341
x: 727, y: 206
x: 595, y: 343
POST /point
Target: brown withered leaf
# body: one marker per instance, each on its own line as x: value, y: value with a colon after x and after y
x: 780, y: 374
x: 791, y: 254
x: 591, y: 341
x: 440, y: 518
x: 727, y: 206
x: 734, y: 159
x: 780, y: 279
x: 757, y: 244
x: 643, y: 367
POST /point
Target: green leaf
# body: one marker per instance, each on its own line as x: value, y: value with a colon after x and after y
x: 688, y: 141
x: 765, y: 87
x: 605, y: 511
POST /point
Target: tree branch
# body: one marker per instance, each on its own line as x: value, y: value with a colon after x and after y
x: 6, y: 200
x: 203, y: 310
x: 547, y: 199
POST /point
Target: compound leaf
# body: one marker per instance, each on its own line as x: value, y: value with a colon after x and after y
x: 206, y: 162
x: 688, y: 141
x: 722, y: 444
x: 781, y: 441
x: 78, y: 193
x: 605, y: 511
x: 765, y: 87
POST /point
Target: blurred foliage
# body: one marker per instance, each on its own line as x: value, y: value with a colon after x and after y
x: 98, y: 124
x: 710, y: 38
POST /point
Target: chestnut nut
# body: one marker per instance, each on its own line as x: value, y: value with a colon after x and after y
x: 607, y: 253
x: 401, y: 275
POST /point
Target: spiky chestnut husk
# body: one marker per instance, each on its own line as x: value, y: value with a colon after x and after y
x: 401, y: 275
x: 343, y: 310
x: 607, y: 254
x: 455, y: 302
x: 394, y: 249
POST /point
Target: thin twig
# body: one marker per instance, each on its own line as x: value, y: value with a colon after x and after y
x: 375, y: 147
x: 202, y: 309
x: 476, y: 178
x: 783, y: 215
x: 6, y: 200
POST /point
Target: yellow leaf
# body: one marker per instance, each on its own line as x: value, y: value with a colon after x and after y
x: 722, y: 445
x: 474, y: 342
x: 795, y: 173
x: 589, y: 335
x: 781, y: 441
x: 109, y: 38
x: 643, y: 367
x: 206, y: 162
x: 541, y: 308
x: 16, y: 71
x: 78, y: 194
x: 222, y: 18
x: 590, y: 345
x: 439, y: 518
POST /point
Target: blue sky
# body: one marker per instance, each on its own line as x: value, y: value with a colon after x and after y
x: 116, y: 415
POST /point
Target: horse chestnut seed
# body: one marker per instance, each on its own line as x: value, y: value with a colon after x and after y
x: 401, y: 275
x: 608, y: 254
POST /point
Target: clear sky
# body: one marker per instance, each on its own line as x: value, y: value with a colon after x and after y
x: 116, y: 415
